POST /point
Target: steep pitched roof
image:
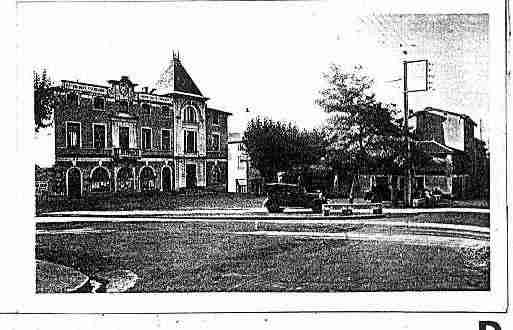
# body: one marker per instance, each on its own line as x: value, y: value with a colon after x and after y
x: 176, y: 79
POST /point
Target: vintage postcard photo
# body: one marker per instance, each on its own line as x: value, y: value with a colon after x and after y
x: 311, y: 155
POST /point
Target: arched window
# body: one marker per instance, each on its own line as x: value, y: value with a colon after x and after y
x: 147, y: 179
x: 100, y: 181
x: 190, y: 115
x: 125, y: 179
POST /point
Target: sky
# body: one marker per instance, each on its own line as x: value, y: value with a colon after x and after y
x: 268, y: 58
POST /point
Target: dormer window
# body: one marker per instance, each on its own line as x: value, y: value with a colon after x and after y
x: 190, y: 115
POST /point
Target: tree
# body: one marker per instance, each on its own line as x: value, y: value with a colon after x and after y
x: 276, y: 146
x: 363, y: 133
x: 44, y: 100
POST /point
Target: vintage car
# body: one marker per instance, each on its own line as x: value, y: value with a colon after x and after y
x: 281, y: 195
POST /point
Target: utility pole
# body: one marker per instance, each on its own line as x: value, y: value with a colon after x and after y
x: 408, y: 153
x: 407, y: 172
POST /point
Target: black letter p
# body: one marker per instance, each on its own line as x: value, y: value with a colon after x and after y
x: 483, y: 325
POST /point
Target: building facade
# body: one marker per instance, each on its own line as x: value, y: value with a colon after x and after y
x: 120, y: 138
x: 457, y: 162
x: 242, y: 176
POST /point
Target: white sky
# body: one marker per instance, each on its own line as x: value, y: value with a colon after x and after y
x: 266, y: 57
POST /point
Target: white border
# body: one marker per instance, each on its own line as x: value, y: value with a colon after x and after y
x: 20, y: 289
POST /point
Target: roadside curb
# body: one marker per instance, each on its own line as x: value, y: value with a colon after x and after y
x: 255, y: 217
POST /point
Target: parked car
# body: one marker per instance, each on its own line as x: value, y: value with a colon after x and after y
x: 281, y: 195
x: 434, y: 198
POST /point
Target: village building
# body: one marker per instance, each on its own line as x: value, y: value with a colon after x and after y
x: 458, y: 164
x: 243, y: 177
x: 121, y: 138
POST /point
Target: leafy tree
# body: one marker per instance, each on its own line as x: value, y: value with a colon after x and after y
x: 363, y: 133
x: 276, y: 146
x: 44, y: 100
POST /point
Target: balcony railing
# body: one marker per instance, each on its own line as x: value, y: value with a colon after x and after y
x: 83, y: 152
x: 122, y: 153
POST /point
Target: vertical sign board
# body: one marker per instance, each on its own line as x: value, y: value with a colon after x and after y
x: 417, y: 76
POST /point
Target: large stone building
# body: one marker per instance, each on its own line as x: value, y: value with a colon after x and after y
x: 121, y: 138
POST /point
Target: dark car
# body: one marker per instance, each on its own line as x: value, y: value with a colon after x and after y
x: 281, y: 195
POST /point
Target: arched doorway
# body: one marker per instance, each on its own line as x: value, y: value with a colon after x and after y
x: 125, y: 179
x: 167, y: 179
x: 190, y: 176
x: 100, y: 180
x: 147, y: 179
x: 74, y: 183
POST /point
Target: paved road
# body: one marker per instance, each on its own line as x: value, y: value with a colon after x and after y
x: 403, y: 229
x: 413, y: 232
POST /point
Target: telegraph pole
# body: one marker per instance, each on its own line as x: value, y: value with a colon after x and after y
x: 407, y: 172
x: 408, y: 153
